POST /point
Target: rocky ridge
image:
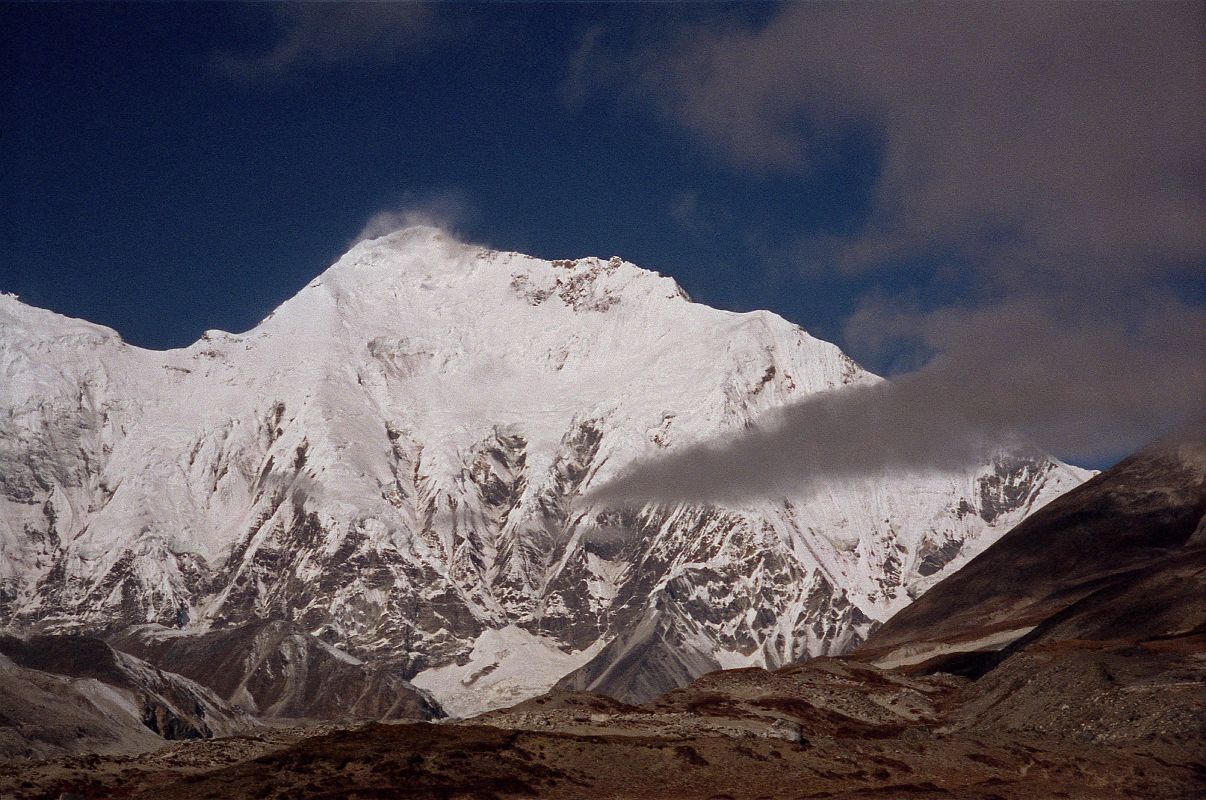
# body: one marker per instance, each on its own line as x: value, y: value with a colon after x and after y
x: 76, y: 694
x: 1120, y: 558
x: 273, y: 670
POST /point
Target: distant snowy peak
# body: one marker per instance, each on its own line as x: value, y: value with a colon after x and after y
x: 394, y: 462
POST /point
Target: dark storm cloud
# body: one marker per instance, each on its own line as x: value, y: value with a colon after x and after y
x: 1049, y: 157
x: 309, y: 34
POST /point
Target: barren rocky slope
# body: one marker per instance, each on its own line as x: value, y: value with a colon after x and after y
x: 76, y: 694
x: 830, y: 728
x: 272, y: 669
x: 1122, y: 557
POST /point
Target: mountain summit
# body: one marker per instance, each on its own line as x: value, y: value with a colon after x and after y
x: 393, y: 460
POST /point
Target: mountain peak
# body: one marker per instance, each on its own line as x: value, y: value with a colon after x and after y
x: 396, y: 459
x: 425, y: 274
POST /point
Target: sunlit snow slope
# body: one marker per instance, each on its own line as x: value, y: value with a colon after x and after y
x: 391, y: 460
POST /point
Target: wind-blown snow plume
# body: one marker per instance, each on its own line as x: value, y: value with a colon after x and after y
x: 446, y: 209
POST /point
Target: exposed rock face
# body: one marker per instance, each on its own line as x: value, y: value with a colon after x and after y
x: 273, y: 669
x: 1122, y: 557
x: 393, y: 462
x: 76, y: 694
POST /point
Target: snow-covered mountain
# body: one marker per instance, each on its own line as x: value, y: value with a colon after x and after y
x: 392, y: 461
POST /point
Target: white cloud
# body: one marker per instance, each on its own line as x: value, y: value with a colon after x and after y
x: 322, y: 34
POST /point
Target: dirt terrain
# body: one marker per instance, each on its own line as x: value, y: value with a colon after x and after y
x: 1081, y: 720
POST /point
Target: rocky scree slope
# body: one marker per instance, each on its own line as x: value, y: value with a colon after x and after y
x: 272, y: 669
x: 76, y: 694
x: 392, y: 462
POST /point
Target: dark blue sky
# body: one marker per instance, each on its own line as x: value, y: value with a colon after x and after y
x: 146, y: 189
x: 1014, y: 191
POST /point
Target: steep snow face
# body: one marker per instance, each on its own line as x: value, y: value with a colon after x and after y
x: 392, y: 460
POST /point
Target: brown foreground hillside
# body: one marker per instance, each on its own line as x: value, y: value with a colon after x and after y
x: 1079, y: 720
